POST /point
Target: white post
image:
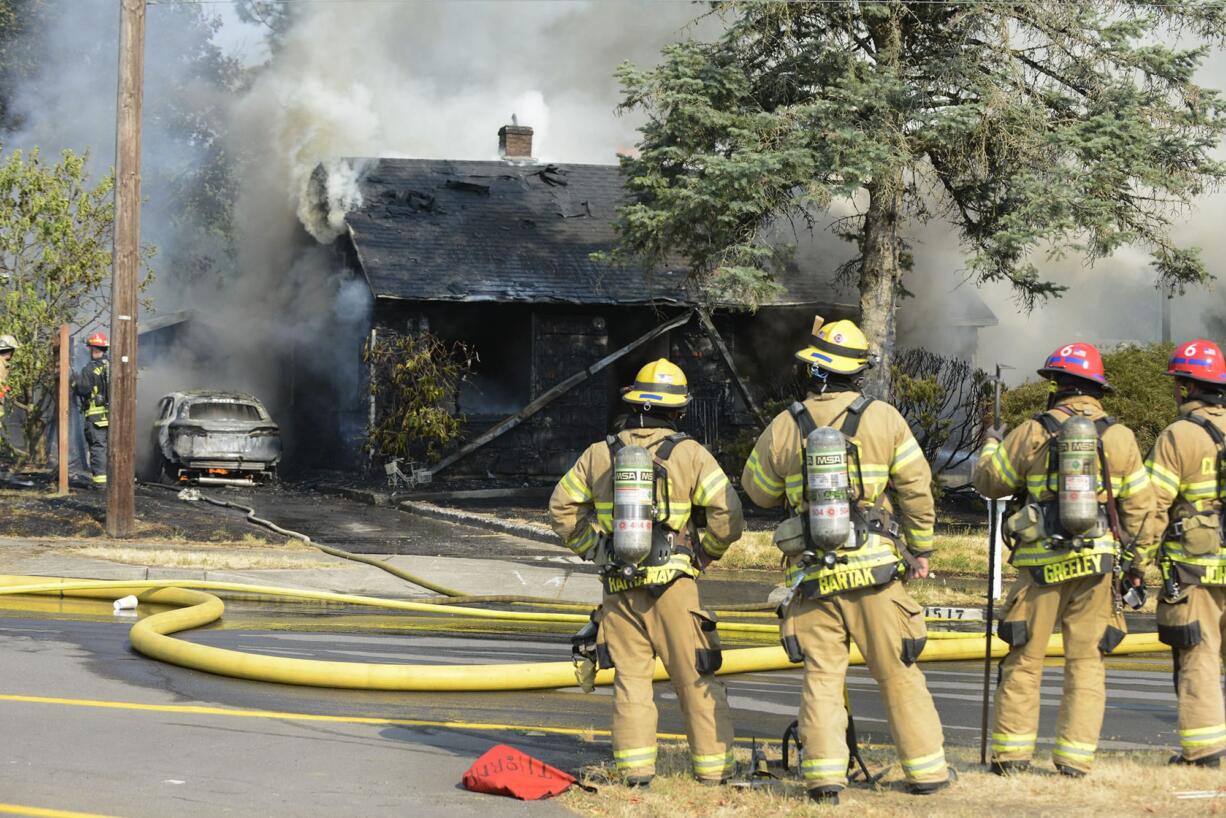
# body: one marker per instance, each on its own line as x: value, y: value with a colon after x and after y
x: 999, y: 545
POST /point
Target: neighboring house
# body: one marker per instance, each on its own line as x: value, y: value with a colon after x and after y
x: 498, y: 254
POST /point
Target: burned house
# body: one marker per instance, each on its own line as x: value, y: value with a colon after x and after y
x: 499, y: 255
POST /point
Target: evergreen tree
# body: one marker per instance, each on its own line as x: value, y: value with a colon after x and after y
x: 1033, y: 127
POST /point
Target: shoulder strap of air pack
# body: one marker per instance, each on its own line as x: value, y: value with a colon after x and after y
x: 666, y: 447
x: 615, y: 445
x: 854, y: 414
x: 1219, y: 442
x: 800, y: 414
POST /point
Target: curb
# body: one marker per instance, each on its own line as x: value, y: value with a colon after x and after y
x: 527, y: 531
x: 366, y: 496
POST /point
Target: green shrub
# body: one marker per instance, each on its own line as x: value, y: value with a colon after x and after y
x: 415, y: 381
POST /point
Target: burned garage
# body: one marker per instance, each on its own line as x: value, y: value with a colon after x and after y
x: 499, y: 255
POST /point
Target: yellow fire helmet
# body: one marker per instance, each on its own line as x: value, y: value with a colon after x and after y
x: 7, y: 343
x: 660, y: 383
x: 838, y: 347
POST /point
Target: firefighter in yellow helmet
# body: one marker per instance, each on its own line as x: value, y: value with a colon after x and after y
x: 92, y: 389
x: 1083, y: 498
x: 652, y: 508
x: 1187, y: 469
x: 846, y: 548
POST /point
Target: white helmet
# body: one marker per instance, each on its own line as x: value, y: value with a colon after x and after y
x: 7, y: 343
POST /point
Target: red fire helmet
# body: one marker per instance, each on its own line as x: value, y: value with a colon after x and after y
x: 1079, y: 360
x: 1200, y: 360
x: 99, y: 340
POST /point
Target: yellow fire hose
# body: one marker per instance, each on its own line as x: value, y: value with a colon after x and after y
x: 192, y: 608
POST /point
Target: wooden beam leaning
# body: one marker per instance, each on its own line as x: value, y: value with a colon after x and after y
x: 554, y: 392
x: 722, y: 348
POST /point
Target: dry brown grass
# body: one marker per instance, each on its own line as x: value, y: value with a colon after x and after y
x: 961, y: 553
x: 211, y: 558
x: 1121, y: 785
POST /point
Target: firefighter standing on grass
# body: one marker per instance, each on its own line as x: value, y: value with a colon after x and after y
x: 92, y: 389
x: 832, y: 459
x: 1186, y: 469
x: 1084, y: 499
x: 634, y: 504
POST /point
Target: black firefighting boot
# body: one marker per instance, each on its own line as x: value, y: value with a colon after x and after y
x: 1010, y: 767
x: 825, y: 795
x: 929, y: 787
x: 1211, y: 762
x: 639, y: 782
x: 1070, y: 772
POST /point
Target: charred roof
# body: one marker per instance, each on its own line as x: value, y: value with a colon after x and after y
x: 500, y: 231
x: 443, y: 230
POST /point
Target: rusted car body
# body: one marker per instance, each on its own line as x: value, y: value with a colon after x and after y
x: 215, y: 438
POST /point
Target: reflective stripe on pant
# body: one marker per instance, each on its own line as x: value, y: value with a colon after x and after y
x: 635, y: 627
x: 95, y: 439
x: 1199, y: 622
x: 1083, y: 607
x: 888, y: 626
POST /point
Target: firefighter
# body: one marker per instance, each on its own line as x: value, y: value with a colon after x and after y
x: 8, y: 345
x: 1186, y: 471
x: 846, y: 587
x: 651, y: 607
x: 92, y: 389
x: 1068, y: 543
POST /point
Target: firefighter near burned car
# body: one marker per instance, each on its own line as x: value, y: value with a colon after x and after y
x: 652, y: 508
x: 1076, y: 528
x: 92, y: 389
x: 832, y: 459
x: 1187, y: 468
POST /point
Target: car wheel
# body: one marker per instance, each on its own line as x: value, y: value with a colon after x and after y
x: 166, y: 471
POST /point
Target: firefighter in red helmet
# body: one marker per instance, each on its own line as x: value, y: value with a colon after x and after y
x: 1187, y: 469
x: 92, y: 389
x: 1082, y: 499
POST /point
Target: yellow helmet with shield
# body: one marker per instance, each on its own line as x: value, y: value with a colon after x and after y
x: 660, y: 383
x: 839, y: 347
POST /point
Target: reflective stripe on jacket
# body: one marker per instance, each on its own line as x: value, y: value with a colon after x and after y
x: 92, y: 390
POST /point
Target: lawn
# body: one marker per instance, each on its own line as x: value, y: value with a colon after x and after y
x: 1121, y: 784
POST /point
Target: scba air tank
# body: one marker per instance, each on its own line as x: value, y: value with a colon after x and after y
x: 1077, y: 496
x: 826, y: 488
x: 633, y: 481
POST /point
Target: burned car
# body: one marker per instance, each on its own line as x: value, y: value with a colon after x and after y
x: 214, y: 438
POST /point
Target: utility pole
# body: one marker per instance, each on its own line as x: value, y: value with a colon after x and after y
x: 1166, y: 295
x: 121, y: 438
x: 63, y: 415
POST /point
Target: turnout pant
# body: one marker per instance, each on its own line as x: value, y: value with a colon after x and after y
x: 1195, y: 628
x: 95, y: 442
x: 1090, y: 628
x: 888, y: 627
x: 636, y: 627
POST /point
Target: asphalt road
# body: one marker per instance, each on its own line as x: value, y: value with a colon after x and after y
x: 74, y: 742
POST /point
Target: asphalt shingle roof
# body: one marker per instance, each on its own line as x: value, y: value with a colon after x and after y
x: 496, y: 231
x: 449, y: 230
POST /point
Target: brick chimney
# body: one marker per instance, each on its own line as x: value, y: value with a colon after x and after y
x: 515, y: 142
